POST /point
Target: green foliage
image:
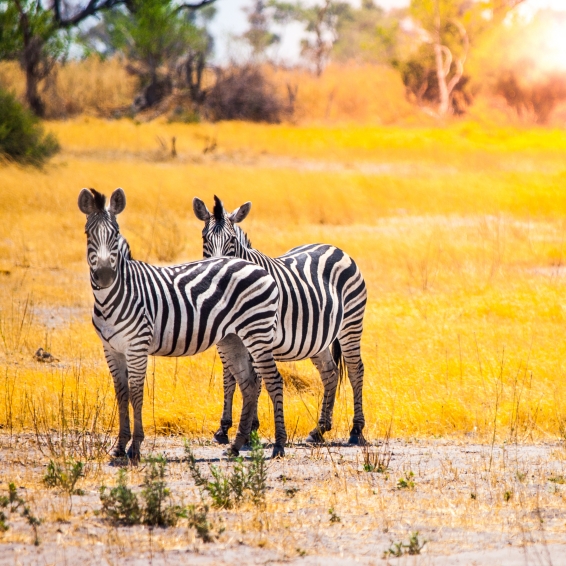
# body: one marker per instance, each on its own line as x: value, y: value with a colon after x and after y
x: 22, y: 137
x: 52, y: 41
x: 198, y: 519
x: 258, y: 35
x: 398, y: 549
x: 334, y: 518
x: 17, y: 503
x: 154, y: 33
x: 64, y: 475
x: 232, y: 488
x: 367, y: 34
x: 158, y: 509
x: 406, y: 482
x: 120, y: 505
x: 322, y: 20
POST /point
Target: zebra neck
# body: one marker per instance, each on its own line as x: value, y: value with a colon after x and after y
x: 255, y: 256
x: 106, y: 300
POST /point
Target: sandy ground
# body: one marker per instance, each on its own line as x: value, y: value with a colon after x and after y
x: 472, y: 504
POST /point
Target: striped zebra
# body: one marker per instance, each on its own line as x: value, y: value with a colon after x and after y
x: 322, y: 303
x: 142, y: 310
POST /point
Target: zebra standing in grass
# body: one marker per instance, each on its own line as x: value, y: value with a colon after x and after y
x: 142, y: 310
x: 322, y: 299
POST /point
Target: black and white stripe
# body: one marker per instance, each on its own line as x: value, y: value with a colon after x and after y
x: 322, y: 303
x: 142, y: 310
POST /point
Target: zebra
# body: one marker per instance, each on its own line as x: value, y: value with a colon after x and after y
x: 322, y: 303
x: 142, y: 310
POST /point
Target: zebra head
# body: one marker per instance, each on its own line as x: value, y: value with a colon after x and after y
x: 221, y: 236
x: 103, y: 235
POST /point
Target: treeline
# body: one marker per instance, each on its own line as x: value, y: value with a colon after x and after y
x: 444, y: 52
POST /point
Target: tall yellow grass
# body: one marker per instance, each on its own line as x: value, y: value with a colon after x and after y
x: 460, y: 233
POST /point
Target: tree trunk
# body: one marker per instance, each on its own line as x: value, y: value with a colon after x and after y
x: 31, y: 63
x: 443, y: 94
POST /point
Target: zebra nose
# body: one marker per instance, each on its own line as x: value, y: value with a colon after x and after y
x: 104, y: 277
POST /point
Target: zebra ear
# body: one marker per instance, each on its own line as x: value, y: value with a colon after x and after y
x: 117, y: 202
x: 86, y: 202
x: 241, y: 212
x: 200, y: 210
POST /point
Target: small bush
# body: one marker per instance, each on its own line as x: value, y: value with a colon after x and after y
x: 406, y: 482
x: 243, y: 93
x: 122, y: 506
x: 64, y: 475
x: 22, y: 138
x: 14, y: 502
x: 244, y: 482
x: 158, y: 509
x: 399, y: 549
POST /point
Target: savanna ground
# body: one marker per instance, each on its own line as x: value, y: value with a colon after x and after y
x: 460, y: 233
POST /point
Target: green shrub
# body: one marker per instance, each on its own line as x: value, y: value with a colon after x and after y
x: 22, y: 138
x: 122, y: 506
x: 230, y: 489
x: 64, y: 475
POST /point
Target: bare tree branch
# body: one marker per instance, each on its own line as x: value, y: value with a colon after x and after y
x: 194, y: 5
x: 93, y: 7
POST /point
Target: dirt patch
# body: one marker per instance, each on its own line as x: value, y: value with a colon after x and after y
x: 472, y: 504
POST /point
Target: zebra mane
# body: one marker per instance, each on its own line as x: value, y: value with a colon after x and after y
x: 218, y: 209
x: 99, y: 200
x: 243, y: 237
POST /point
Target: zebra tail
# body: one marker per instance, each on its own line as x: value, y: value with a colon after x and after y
x: 339, y: 360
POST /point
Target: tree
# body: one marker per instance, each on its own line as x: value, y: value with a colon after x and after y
x: 322, y: 21
x: 369, y: 35
x: 155, y: 35
x: 449, y: 27
x: 258, y: 35
x: 37, y: 34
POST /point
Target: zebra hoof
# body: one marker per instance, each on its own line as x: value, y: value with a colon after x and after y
x: 315, y: 437
x: 278, y: 452
x: 133, y: 456
x: 357, y: 440
x: 118, y: 452
x: 231, y: 452
x: 221, y: 437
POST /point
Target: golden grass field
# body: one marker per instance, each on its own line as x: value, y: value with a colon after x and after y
x: 459, y: 232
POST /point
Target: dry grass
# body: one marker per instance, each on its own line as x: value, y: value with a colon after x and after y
x: 484, y: 506
x: 459, y: 233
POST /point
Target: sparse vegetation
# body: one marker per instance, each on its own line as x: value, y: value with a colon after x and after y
x: 13, y: 503
x: 412, y: 548
x: 232, y: 488
x: 406, y: 482
x: 65, y: 475
x: 122, y: 506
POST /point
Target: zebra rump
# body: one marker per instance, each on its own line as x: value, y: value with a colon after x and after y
x: 321, y: 308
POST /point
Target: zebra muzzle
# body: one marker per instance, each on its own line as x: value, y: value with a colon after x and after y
x: 104, y: 277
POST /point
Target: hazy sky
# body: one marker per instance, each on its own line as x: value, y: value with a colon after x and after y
x: 230, y: 21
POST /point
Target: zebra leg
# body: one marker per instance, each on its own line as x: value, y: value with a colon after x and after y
x: 137, y: 366
x: 265, y: 367
x: 355, y: 365
x: 221, y: 435
x: 328, y: 370
x: 119, y: 370
x: 237, y: 361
